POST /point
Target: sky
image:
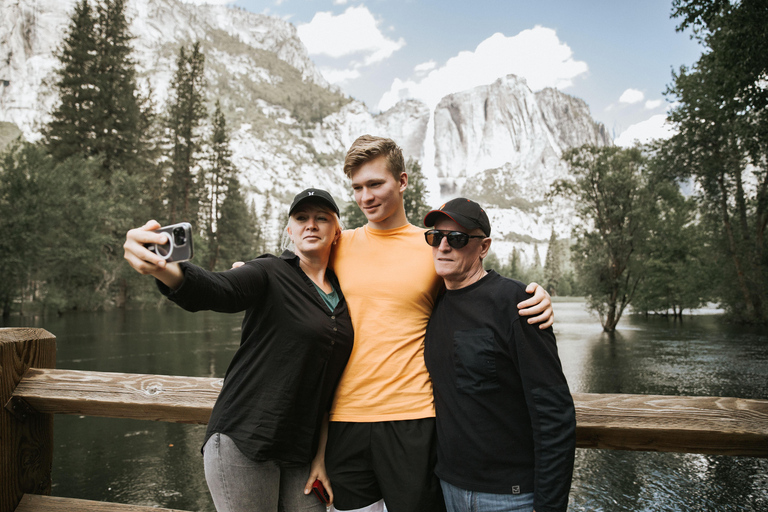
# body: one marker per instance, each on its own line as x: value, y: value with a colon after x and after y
x: 616, y: 55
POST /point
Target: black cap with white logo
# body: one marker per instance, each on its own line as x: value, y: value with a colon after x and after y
x: 314, y: 194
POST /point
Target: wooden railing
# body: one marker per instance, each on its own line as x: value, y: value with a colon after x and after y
x: 32, y: 391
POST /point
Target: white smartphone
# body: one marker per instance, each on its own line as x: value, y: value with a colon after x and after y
x: 178, y: 246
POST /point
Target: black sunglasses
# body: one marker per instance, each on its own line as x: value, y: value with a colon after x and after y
x: 456, y: 239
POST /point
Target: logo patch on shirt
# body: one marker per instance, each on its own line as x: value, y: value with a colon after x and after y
x: 515, y: 489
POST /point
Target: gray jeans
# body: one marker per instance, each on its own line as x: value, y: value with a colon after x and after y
x: 238, y: 484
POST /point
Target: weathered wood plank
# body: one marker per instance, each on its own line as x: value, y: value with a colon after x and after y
x: 709, y: 425
x: 120, y: 395
x: 26, y: 440
x: 35, y: 503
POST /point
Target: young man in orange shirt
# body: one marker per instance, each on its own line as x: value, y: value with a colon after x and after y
x: 381, y: 440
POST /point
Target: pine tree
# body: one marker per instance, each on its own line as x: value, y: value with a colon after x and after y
x: 264, y: 230
x: 536, y: 257
x: 491, y: 262
x: 98, y: 113
x: 118, y: 138
x: 553, y: 265
x: 228, y: 220
x: 353, y: 216
x: 99, y: 117
x: 72, y: 128
x: 513, y: 267
x: 413, y: 198
x: 185, y: 118
x: 237, y: 236
x: 151, y: 202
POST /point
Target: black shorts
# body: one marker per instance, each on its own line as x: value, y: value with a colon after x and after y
x: 393, y: 460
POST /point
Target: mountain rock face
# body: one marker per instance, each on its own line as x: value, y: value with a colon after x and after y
x: 500, y: 144
x: 31, y: 31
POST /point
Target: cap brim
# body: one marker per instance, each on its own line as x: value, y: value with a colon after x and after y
x: 465, y: 222
x: 316, y: 199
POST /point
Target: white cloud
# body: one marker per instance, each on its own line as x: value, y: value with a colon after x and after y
x: 425, y: 66
x: 209, y: 2
x: 632, y: 96
x: 654, y: 128
x: 652, y: 104
x: 354, y: 32
x: 535, y: 54
x: 339, y: 2
x: 337, y: 76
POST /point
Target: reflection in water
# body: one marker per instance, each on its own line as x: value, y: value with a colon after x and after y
x: 159, y: 464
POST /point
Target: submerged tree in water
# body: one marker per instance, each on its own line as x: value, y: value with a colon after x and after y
x: 614, y: 201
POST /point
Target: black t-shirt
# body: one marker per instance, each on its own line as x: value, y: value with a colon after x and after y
x: 505, y: 417
x: 292, y: 352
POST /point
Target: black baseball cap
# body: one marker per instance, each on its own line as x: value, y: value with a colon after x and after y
x: 317, y: 195
x: 464, y: 212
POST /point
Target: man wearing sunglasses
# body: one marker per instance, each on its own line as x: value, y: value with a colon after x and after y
x: 505, y: 417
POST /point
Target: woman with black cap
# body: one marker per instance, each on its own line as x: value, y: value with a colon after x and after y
x: 265, y: 443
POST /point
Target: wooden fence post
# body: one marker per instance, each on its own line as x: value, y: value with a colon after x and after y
x: 26, y: 437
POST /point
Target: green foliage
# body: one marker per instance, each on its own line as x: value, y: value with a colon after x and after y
x: 721, y: 114
x: 676, y: 262
x: 79, y: 262
x: 98, y: 114
x: 492, y: 262
x: 353, y: 216
x: 230, y: 224
x: 307, y: 102
x: 101, y: 120
x: 553, y: 265
x: 616, y: 201
x: 238, y: 236
x: 513, y: 267
x: 413, y: 198
x: 219, y: 175
x: 117, y: 124
x: 74, y: 125
x: 186, y: 112
x: 151, y: 203
x: 20, y: 220
x: 54, y: 247
x: 495, y: 187
x: 9, y: 132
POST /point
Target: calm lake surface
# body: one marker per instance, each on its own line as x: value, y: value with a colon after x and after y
x: 149, y: 463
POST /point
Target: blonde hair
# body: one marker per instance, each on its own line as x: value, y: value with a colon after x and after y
x: 370, y: 147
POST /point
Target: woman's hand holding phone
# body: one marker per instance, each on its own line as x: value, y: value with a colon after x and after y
x: 147, y: 262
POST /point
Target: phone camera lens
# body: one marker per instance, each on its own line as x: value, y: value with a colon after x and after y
x: 178, y: 236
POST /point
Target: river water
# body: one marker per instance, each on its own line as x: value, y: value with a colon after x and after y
x: 159, y: 464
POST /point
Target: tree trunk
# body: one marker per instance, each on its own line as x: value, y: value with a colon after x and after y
x: 611, y: 319
x: 732, y: 248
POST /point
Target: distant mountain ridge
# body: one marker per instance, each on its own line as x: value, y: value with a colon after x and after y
x: 499, y: 143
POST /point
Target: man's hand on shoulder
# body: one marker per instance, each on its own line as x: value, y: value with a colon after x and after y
x: 538, y: 307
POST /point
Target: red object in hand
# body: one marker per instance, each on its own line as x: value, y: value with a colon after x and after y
x: 319, y: 491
